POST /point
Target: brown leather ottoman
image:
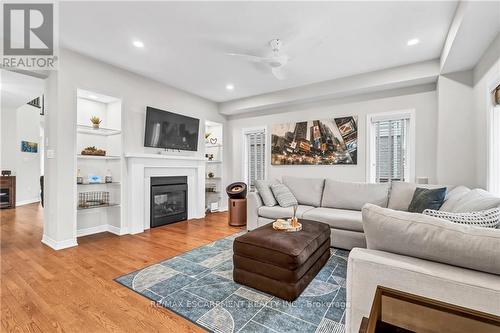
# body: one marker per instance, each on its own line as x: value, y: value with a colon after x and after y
x: 281, y: 263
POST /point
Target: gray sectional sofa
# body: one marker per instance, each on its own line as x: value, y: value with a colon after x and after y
x: 339, y: 204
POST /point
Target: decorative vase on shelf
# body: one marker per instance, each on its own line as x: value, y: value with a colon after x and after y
x: 108, y: 178
x: 79, y: 178
x: 96, y: 121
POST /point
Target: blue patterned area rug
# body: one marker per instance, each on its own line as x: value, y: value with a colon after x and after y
x: 199, y: 286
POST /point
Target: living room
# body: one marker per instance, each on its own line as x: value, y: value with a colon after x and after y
x: 176, y: 137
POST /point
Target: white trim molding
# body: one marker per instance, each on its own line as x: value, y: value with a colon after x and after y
x: 140, y: 169
x: 493, y: 140
x: 101, y: 228
x: 370, y: 141
x: 58, y: 245
x: 27, y: 202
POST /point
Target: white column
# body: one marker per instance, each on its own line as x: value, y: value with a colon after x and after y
x: 60, y: 162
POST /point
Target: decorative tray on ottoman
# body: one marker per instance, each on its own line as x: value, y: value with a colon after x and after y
x: 286, y: 225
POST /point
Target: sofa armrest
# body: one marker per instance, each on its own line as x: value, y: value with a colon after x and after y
x: 367, y: 269
x: 254, y: 202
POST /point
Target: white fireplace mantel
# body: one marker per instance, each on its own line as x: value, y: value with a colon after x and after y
x: 140, y: 169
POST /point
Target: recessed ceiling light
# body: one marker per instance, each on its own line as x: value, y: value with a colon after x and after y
x: 229, y: 86
x: 93, y: 96
x: 413, y: 41
x: 138, y: 43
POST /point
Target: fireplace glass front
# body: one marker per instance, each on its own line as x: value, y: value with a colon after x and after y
x: 168, y: 200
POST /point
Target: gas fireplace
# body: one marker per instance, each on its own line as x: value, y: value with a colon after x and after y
x: 168, y: 200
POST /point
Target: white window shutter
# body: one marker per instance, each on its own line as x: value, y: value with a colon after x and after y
x: 391, y: 139
x: 256, y: 142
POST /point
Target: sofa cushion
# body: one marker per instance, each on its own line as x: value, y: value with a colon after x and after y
x: 264, y: 189
x: 476, y: 200
x: 307, y: 191
x: 401, y: 194
x: 336, y: 218
x: 344, y: 195
x: 278, y: 212
x: 431, y: 238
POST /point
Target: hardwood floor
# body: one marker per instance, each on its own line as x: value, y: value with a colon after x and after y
x: 72, y: 290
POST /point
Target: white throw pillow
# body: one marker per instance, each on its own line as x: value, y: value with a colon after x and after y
x: 487, y: 218
x: 476, y: 200
x: 283, y: 195
x: 264, y: 189
x: 430, y: 238
x: 453, y: 198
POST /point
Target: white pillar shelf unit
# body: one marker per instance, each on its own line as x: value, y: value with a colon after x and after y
x: 214, y: 186
x: 105, y: 217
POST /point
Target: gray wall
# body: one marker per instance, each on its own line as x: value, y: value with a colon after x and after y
x: 424, y: 103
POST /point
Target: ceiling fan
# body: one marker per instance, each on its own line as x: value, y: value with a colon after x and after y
x: 276, y: 62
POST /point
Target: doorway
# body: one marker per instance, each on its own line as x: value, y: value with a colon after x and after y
x: 22, y: 139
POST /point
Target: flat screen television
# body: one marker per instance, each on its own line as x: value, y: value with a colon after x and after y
x: 170, y: 130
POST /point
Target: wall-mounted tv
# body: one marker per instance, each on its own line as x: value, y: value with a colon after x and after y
x: 170, y: 130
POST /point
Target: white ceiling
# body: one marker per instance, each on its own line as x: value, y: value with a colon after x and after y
x: 18, y: 89
x: 185, y: 43
x: 479, y: 24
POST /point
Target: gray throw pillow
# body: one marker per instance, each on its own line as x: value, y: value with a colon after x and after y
x: 264, y: 189
x: 424, y: 198
x: 487, y: 218
x: 284, y: 196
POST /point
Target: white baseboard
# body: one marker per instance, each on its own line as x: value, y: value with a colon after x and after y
x: 58, y: 245
x: 27, y: 202
x: 117, y: 231
x: 91, y: 230
x: 101, y: 228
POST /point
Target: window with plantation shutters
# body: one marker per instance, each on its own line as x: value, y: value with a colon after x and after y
x: 494, y: 151
x: 256, y: 157
x: 389, y: 145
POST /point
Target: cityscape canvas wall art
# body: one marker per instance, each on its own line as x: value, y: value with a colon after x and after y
x: 29, y: 147
x: 316, y: 142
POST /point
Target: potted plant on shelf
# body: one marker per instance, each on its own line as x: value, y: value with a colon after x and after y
x: 96, y: 121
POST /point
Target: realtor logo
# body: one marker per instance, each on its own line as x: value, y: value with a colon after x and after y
x: 28, y: 36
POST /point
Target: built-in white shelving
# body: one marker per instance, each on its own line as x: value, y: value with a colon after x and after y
x: 111, y: 205
x: 96, y: 157
x: 91, y: 184
x: 214, y: 185
x: 85, y: 129
x: 108, y: 137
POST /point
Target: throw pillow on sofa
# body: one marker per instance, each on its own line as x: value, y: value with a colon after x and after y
x: 264, y: 189
x: 283, y: 195
x: 431, y: 238
x: 487, y: 218
x: 401, y: 194
x: 476, y: 200
x: 424, y: 198
x: 453, y: 198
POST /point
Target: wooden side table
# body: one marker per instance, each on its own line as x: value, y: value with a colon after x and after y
x: 7, y: 191
x: 397, y: 311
